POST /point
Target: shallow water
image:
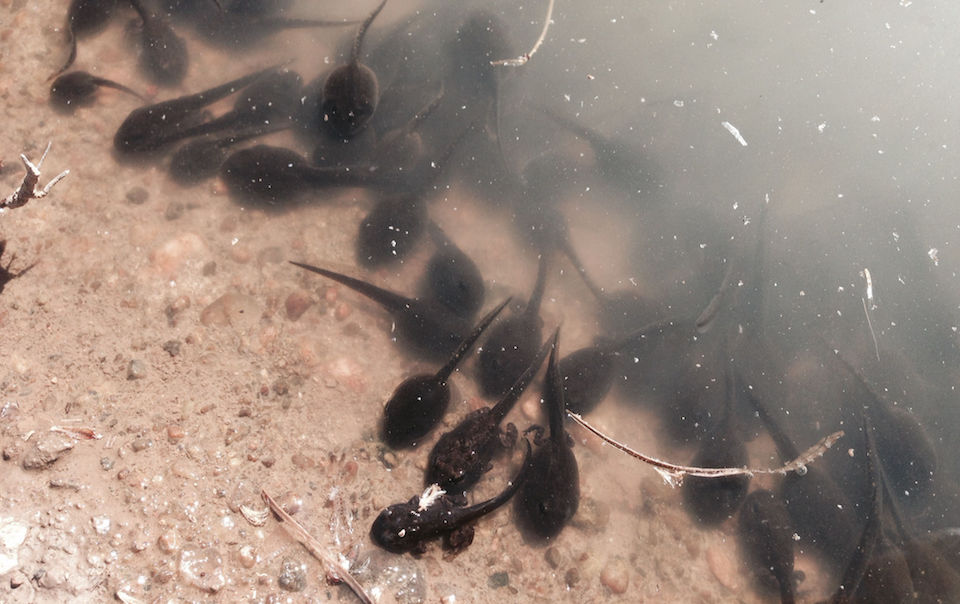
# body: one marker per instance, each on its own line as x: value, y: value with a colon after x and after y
x: 167, y: 319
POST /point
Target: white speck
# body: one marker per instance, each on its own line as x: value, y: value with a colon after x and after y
x: 736, y: 133
x: 736, y: 205
x: 566, y: 97
x: 235, y: 241
x: 821, y: 127
x: 714, y: 35
x: 101, y: 524
x: 678, y: 103
x: 933, y: 256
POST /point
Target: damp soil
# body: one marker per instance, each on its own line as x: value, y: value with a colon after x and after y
x: 168, y: 322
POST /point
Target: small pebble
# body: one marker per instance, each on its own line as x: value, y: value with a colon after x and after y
x: 172, y: 347
x: 247, y: 556
x: 106, y: 463
x: 293, y: 575
x: 174, y: 210
x: 209, y: 269
x: 138, y: 195
x: 46, y: 450
x: 141, y: 444
x: 136, y: 370
x: 290, y: 502
x: 342, y: 311
x: 203, y: 568
x: 615, y: 576
x: 302, y: 462
x: 572, y: 577
x: 174, y: 433
x: 169, y: 542
x: 297, y: 303
x: 232, y: 309
x: 555, y: 556
x: 498, y: 580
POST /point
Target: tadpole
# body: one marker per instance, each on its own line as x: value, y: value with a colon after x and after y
x: 452, y: 278
x: 77, y: 89
x: 419, y: 402
x: 513, y: 342
x: 85, y: 17
x: 163, y: 54
x: 422, y: 326
x: 351, y: 92
x: 551, y: 496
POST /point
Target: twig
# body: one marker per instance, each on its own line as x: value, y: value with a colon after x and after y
x: 29, y: 187
x: 333, y: 567
x: 522, y: 59
x: 673, y: 474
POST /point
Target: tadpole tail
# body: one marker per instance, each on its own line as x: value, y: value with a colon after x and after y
x: 574, y: 258
x: 467, y: 344
x: 871, y: 535
x: 485, y: 507
x: 358, y: 41
x: 553, y: 395
x: 117, y: 86
x: 389, y: 300
x: 661, y: 326
x: 785, y: 446
x: 536, y: 297
x: 71, y: 56
x: 278, y: 23
x: 500, y: 410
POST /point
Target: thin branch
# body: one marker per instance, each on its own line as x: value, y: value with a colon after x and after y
x: 28, y: 188
x: 522, y: 59
x: 673, y: 474
x: 313, y: 545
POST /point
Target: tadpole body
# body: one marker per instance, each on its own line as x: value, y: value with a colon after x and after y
x: 423, y: 327
x: 461, y: 456
x: 713, y: 500
x: 551, y: 495
x: 419, y: 402
x: 351, y: 92
x: 150, y: 128
x: 512, y: 342
x: 451, y: 277
x: 201, y: 158
x: 766, y: 537
x: 163, y: 54
x: 77, y: 89
x: 84, y: 18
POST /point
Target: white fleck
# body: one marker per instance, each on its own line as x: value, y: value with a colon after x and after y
x: 429, y: 497
x: 713, y: 34
x: 933, y: 253
x: 736, y: 133
x: 12, y: 536
x: 101, y: 524
x: 678, y: 103
x: 821, y: 127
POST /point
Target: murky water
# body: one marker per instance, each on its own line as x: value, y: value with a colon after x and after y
x: 771, y: 185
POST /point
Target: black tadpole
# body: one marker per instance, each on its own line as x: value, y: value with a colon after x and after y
x: 461, y: 456
x: 85, y: 17
x: 513, y: 342
x: 200, y: 159
x: 163, y: 54
x: 713, y: 500
x: 588, y: 373
x: 404, y: 527
x: 152, y: 127
x: 550, y: 497
x: 419, y: 402
x: 766, y: 536
x: 452, y: 278
x: 428, y: 330
x: 77, y: 89
x: 351, y: 92
x: 274, y: 176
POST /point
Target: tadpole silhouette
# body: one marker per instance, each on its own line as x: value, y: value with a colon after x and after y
x: 766, y: 537
x: 461, y: 456
x: 713, y: 500
x: 422, y: 326
x: 451, y: 277
x: 200, y: 159
x: 551, y: 496
x: 588, y: 373
x: 85, y: 17
x: 419, y: 402
x: 351, y: 92
x: 77, y: 89
x: 512, y: 342
x: 277, y: 176
x: 408, y: 526
x: 163, y: 54
x: 152, y: 127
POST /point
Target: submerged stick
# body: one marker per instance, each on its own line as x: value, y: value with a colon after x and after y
x: 29, y: 188
x: 522, y: 59
x: 333, y: 567
x: 673, y: 474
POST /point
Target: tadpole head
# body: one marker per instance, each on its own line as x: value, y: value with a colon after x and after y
x: 350, y: 96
